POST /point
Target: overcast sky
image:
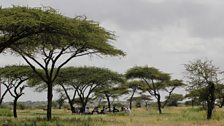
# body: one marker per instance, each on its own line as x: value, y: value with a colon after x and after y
x: 161, y: 33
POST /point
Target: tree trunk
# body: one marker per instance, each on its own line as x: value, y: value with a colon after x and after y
x: 3, y: 95
x: 1, y: 101
x: 14, y: 107
x: 108, y: 102
x: 83, y: 108
x: 131, y: 99
x: 159, y: 104
x: 210, y: 100
x: 49, y: 101
x: 69, y: 100
x: 71, y: 106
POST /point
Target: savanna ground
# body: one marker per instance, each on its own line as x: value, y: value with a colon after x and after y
x: 172, y: 116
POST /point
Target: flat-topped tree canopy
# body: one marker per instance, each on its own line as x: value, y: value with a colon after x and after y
x: 85, y: 75
x: 16, y: 71
x: 22, y: 25
x: 50, y: 30
x: 146, y: 72
x: 18, y: 22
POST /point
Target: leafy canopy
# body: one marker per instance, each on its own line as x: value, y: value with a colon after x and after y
x: 146, y: 73
x: 85, y: 75
x: 17, y: 23
x: 15, y: 71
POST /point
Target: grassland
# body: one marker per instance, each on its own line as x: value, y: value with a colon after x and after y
x: 173, y: 116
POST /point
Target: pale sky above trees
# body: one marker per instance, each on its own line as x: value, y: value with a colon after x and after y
x: 161, y: 33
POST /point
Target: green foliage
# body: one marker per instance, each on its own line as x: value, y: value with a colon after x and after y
x: 88, y: 75
x: 17, y: 23
x: 60, y: 32
x: 147, y: 73
x: 198, y: 94
x: 135, y: 84
x: 15, y: 71
x: 174, y: 98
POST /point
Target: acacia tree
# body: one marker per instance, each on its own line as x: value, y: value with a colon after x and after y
x: 174, y: 98
x: 111, y: 90
x: 17, y: 23
x: 142, y: 98
x: 203, y: 75
x: 85, y: 81
x: 146, y: 99
x: 155, y: 81
x: 13, y: 77
x: 85, y: 37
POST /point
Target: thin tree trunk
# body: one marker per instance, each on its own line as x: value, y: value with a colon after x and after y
x: 71, y: 105
x: 108, y: 102
x: 210, y: 100
x: 14, y: 107
x: 131, y: 99
x: 69, y: 100
x: 49, y: 101
x: 3, y: 95
x: 159, y: 104
x: 83, y: 107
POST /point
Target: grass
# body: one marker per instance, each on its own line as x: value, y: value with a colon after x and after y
x: 172, y: 116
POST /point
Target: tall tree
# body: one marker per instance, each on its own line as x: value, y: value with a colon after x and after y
x: 203, y: 75
x: 13, y: 77
x: 155, y: 81
x: 46, y: 50
x: 17, y: 23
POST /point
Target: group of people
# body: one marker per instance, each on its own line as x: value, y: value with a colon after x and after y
x: 105, y: 110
